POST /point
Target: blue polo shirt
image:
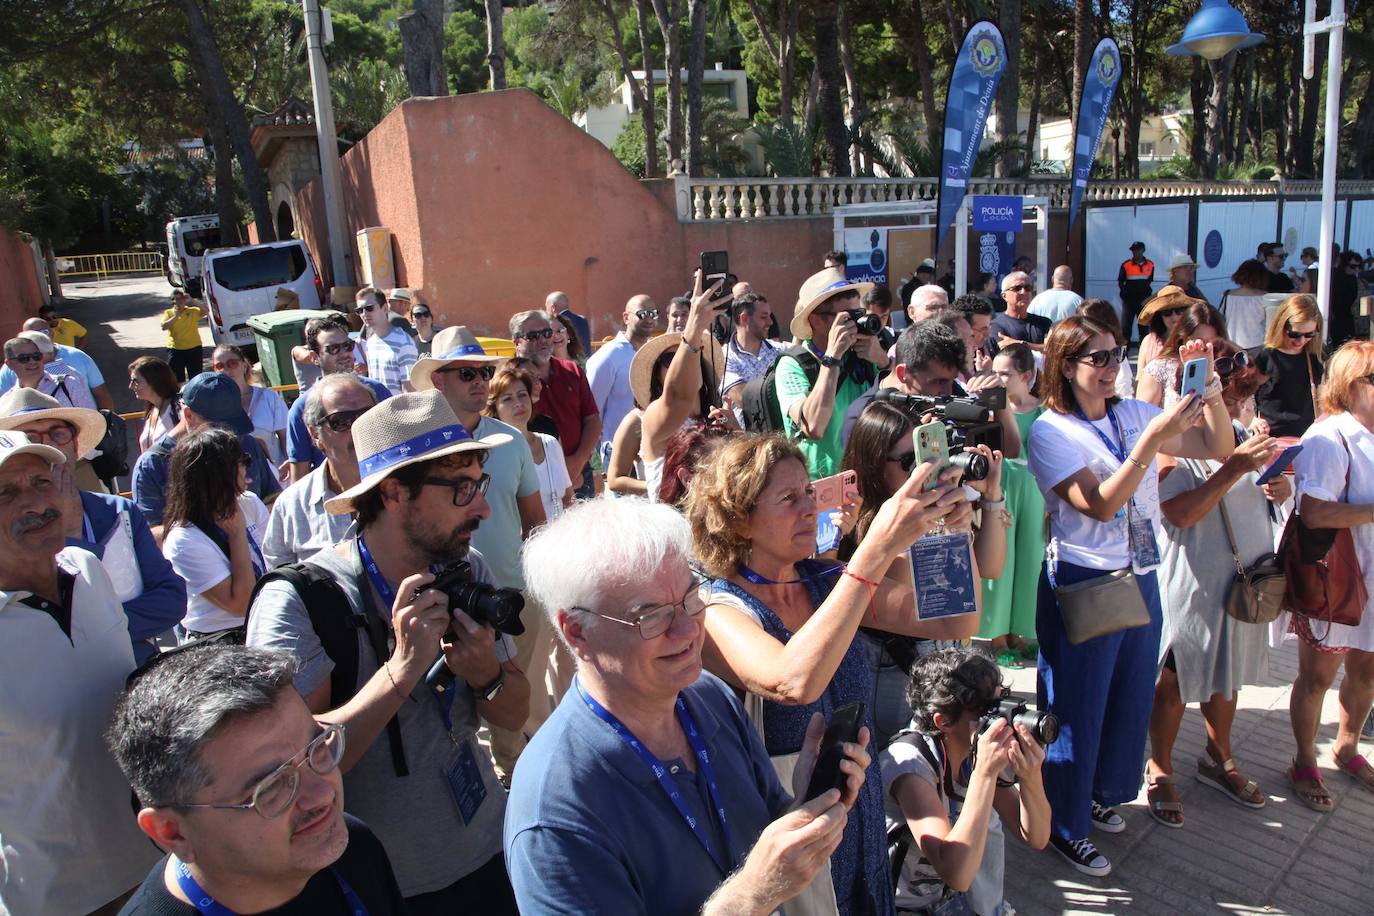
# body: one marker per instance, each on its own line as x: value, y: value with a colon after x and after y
x: 299, y: 445
x: 151, y: 472
x: 590, y: 830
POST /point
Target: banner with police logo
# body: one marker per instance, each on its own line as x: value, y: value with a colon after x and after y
x: 1099, y: 89
x: 867, y: 252
x: 972, y: 87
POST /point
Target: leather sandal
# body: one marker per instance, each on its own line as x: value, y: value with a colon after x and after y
x: 1161, y: 784
x: 1356, y: 768
x: 1225, y: 778
x: 1309, y: 788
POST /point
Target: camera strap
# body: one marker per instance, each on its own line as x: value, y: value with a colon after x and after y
x: 377, y: 636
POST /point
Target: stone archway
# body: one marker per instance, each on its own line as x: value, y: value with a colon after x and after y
x: 286, y: 221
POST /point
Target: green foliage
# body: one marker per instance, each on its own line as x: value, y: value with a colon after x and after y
x: 789, y: 149
x: 629, y: 147
x: 168, y: 186
x: 465, y: 52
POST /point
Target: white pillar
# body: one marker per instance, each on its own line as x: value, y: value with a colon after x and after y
x: 340, y: 251
x: 1334, y: 26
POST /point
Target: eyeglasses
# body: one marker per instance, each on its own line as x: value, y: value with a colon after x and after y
x: 364, y: 309
x: 342, y: 420
x: 58, y: 435
x: 1172, y: 313
x: 1306, y: 335
x: 656, y: 621
x: 273, y: 796
x: 27, y: 357
x: 420, y: 313
x: 334, y: 348
x: 545, y: 334
x: 470, y: 373
x: 1229, y: 365
x: 226, y: 365
x: 1101, y: 358
x: 464, y: 488
x: 641, y: 314
x: 1021, y: 288
x: 906, y: 461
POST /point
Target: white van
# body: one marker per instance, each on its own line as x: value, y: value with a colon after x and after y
x: 241, y: 282
x: 188, y: 238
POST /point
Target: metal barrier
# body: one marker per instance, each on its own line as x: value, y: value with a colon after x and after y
x: 103, y: 265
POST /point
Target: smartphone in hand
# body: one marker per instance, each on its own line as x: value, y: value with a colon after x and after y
x: 836, y: 491
x: 1194, y: 378
x: 931, y: 443
x: 1281, y: 463
x: 843, y: 728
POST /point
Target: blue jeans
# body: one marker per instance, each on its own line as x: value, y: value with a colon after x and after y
x: 1102, y: 691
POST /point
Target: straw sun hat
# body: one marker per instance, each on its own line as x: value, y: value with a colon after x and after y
x: 1168, y: 297
x: 642, y: 368
x: 456, y: 344
x: 819, y: 287
x: 20, y: 406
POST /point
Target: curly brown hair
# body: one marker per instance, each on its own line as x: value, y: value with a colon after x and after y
x: 725, y: 492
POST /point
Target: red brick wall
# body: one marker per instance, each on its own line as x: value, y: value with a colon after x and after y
x: 20, y: 290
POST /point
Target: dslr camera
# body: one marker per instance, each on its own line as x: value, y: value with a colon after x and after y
x: 969, y: 422
x: 871, y: 325
x: 486, y: 604
x: 1043, y: 726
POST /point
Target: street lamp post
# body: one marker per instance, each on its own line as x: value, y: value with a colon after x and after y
x: 330, y: 179
x: 1334, y: 28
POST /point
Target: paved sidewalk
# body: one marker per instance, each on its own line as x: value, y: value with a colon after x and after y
x: 1283, y: 858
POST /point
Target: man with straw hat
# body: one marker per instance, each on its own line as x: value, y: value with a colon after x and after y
x: 111, y: 527
x: 815, y: 390
x: 426, y: 788
x: 461, y: 371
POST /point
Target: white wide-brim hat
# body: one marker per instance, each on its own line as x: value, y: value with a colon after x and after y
x: 20, y: 406
x: 453, y: 345
x: 403, y: 430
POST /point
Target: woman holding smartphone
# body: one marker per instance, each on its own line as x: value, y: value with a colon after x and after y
x: 1093, y: 456
x: 1161, y: 377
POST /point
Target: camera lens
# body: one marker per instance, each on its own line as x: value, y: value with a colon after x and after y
x: 973, y: 465
x: 499, y: 607
x: 1043, y: 726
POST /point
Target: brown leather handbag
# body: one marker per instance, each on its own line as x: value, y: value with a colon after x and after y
x: 1325, y: 581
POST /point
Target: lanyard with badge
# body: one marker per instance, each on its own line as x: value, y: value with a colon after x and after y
x: 463, y: 774
x: 1141, y: 531
x: 209, y: 906
x: 670, y: 788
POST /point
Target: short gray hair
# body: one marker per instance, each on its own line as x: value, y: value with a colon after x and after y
x: 173, y: 710
x: 598, y: 545
x: 1011, y: 279
x: 520, y: 318
x: 927, y: 291
x: 314, y: 400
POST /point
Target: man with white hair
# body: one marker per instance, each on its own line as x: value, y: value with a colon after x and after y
x: 926, y: 301
x: 1017, y: 323
x: 649, y: 790
x: 28, y: 357
x: 1059, y: 301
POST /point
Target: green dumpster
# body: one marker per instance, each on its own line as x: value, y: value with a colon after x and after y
x: 277, y: 333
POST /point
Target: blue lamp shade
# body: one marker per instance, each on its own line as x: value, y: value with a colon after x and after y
x: 1216, y: 30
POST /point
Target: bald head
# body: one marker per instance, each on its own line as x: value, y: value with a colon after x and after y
x: 640, y: 318
x: 555, y: 302
x: 1063, y: 277
x: 38, y: 324
x: 926, y: 301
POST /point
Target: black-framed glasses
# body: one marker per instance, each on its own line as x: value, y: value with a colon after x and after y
x: 1172, y: 313
x: 364, y: 309
x: 420, y: 313
x: 335, y: 348
x: 1100, y: 359
x: 1229, y: 365
x: 1021, y: 288
x: 656, y: 621
x: 342, y: 420
x: 641, y: 314
x: 58, y: 435
x: 27, y: 357
x: 905, y: 461
x: 464, y: 488
x: 1305, y: 335
x: 274, y: 794
x: 470, y: 373
x: 544, y: 334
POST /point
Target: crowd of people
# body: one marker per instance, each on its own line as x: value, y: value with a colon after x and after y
x: 713, y: 617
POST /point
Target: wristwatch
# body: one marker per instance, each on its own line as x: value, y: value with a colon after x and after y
x: 831, y: 362
x: 492, y: 690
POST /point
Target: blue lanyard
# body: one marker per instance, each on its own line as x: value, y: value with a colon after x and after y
x: 1118, y: 451
x: 758, y: 579
x: 86, y: 528
x: 375, y: 575
x: 665, y: 782
x: 211, y: 907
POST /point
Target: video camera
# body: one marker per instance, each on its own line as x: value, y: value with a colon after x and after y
x: 969, y: 422
x: 485, y: 604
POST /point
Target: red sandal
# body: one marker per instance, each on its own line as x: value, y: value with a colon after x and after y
x: 1311, y: 791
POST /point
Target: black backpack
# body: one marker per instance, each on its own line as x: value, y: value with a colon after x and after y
x: 759, y: 402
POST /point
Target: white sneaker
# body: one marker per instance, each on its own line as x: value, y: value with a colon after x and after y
x: 1083, y: 855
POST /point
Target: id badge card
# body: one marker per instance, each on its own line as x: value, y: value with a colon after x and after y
x: 465, y: 782
x: 827, y: 533
x: 1144, y: 547
x: 942, y: 573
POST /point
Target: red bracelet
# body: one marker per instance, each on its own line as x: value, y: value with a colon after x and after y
x: 872, y: 589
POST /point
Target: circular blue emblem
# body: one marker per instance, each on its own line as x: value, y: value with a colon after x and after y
x: 1211, y: 249
x: 985, y: 54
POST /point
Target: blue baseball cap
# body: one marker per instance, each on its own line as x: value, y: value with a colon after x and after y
x: 216, y: 397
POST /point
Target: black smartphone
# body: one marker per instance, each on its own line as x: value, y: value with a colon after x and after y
x: 715, y: 265
x: 843, y: 728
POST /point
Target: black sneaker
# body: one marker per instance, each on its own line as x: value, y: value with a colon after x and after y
x: 1107, y: 820
x: 1083, y: 855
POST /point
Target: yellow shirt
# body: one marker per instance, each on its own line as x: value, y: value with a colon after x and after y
x: 67, y: 332
x: 184, y: 333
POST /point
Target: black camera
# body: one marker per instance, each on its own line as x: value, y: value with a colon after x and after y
x: 485, y: 604
x: 872, y: 325
x: 1043, y: 726
x: 969, y: 422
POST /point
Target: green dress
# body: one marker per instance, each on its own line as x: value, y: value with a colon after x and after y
x: 1009, y: 601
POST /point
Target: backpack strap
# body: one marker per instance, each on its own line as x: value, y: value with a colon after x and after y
x: 62, y: 386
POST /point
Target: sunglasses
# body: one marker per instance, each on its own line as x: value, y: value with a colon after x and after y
x: 906, y: 461
x: 641, y: 314
x: 223, y: 365
x: 420, y: 313
x: 1100, y: 359
x: 545, y: 334
x: 1020, y: 288
x: 1306, y: 335
x: 471, y: 373
x: 27, y: 357
x: 334, y: 348
x: 342, y: 420
x: 1229, y: 365
x: 1172, y: 313
x: 364, y: 309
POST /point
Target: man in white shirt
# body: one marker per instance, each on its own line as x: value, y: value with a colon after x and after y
x: 748, y: 353
x: 391, y: 352
x: 29, y: 357
x: 1059, y: 301
x: 608, y: 370
x: 68, y: 841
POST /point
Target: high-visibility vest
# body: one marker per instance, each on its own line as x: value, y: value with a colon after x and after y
x: 1134, y: 271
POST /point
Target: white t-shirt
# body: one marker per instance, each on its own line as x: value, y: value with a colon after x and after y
x: 199, y: 561
x: 553, y: 477
x: 1061, y: 446
x: 267, y: 410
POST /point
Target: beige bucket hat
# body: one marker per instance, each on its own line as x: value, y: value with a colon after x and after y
x: 26, y: 405
x: 452, y: 345
x: 819, y: 287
